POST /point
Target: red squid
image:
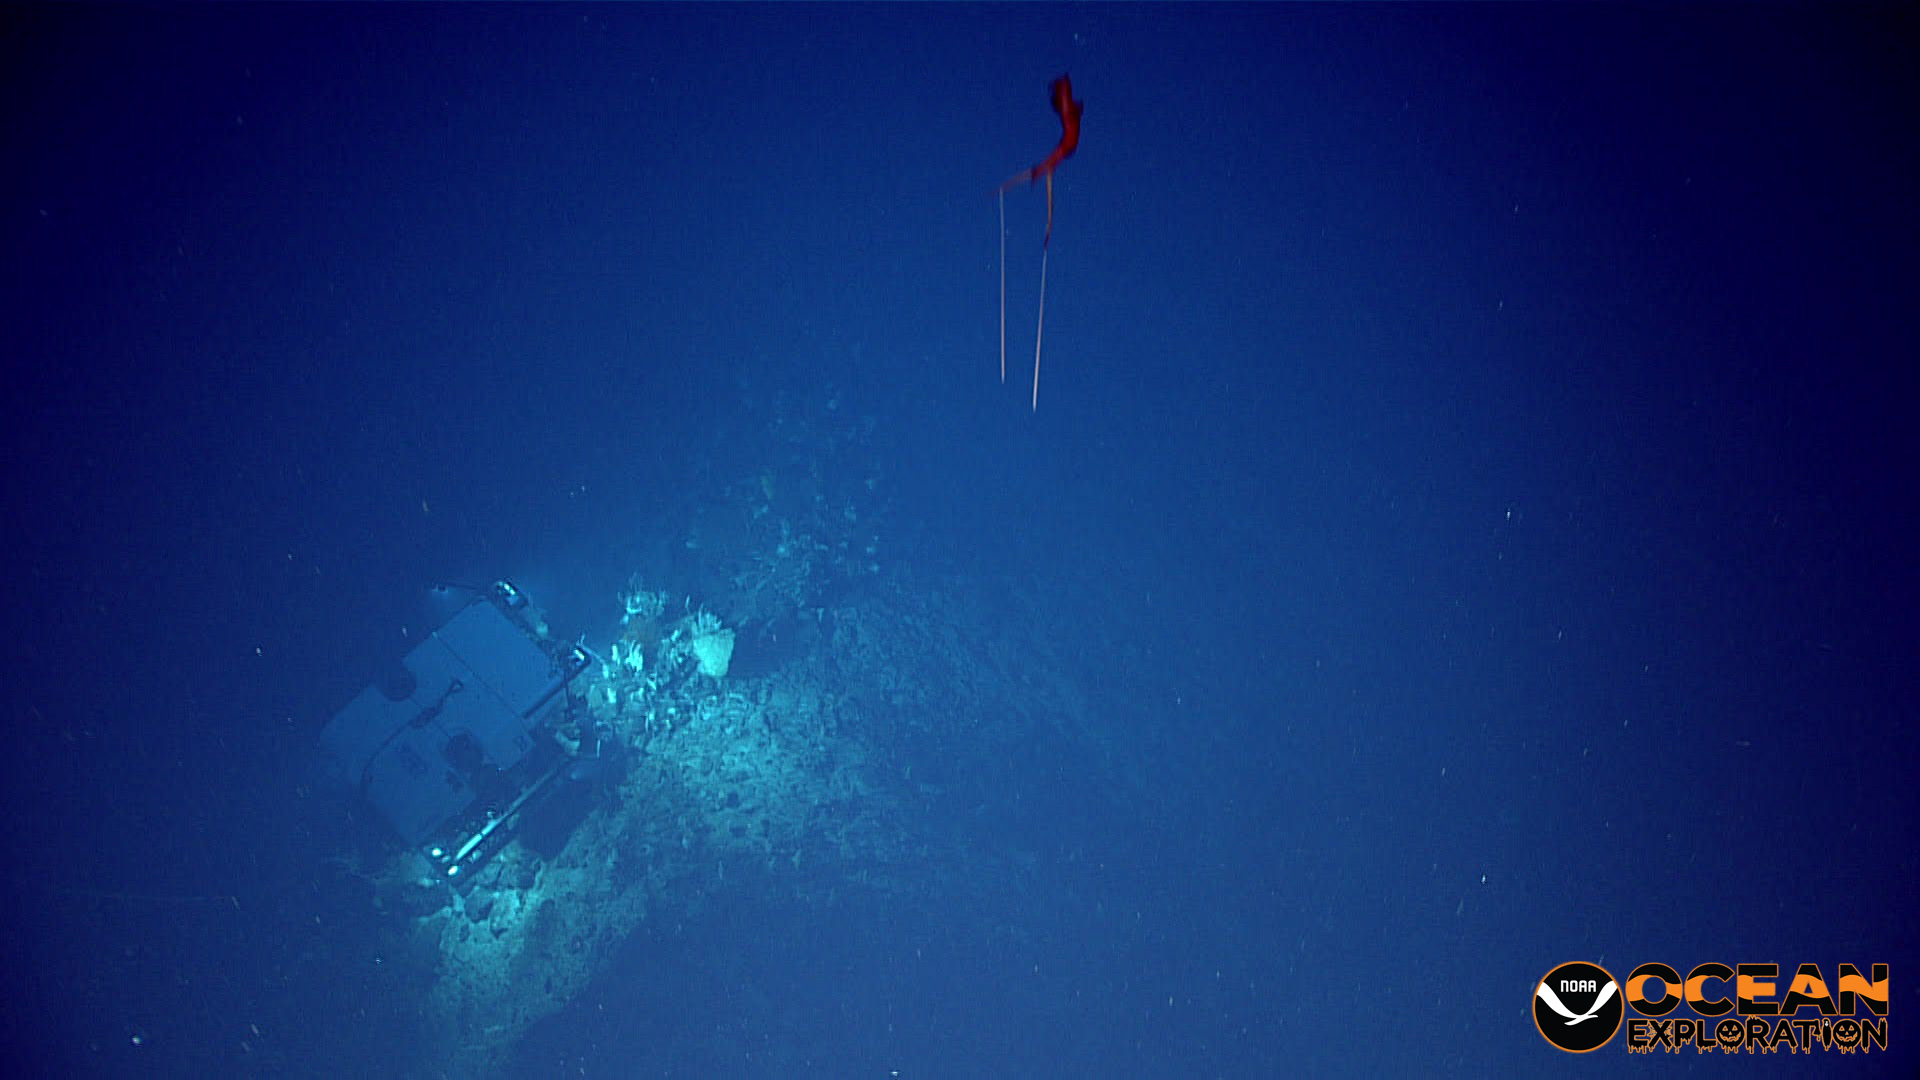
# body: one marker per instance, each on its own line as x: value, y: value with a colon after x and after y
x: 1061, y: 91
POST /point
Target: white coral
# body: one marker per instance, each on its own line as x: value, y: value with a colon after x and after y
x: 642, y: 603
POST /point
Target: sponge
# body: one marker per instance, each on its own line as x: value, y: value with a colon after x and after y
x: 712, y: 646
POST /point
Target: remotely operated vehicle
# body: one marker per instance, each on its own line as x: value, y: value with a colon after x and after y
x: 480, y: 724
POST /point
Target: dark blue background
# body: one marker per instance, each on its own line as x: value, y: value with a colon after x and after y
x: 1501, y: 420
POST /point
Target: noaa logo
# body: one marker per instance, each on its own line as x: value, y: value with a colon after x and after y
x: 1578, y: 1007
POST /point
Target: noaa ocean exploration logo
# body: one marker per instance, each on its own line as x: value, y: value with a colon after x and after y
x: 1746, y: 1008
x: 1577, y: 1007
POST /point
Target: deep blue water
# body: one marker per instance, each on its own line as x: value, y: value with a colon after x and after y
x: 1473, y: 482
